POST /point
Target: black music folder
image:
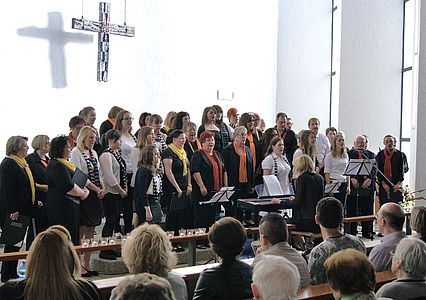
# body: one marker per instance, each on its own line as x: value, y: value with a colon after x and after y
x: 79, y: 178
x: 13, y: 232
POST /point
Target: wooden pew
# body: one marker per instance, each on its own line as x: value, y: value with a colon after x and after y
x: 323, y: 291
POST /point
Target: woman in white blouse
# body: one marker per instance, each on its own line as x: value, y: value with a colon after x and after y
x: 335, y: 163
x: 128, y: 142
x: 113, y: 174
x: 275, y: 163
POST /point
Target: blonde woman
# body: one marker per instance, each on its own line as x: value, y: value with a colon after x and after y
x: 335, y: 163
x: 86, y: 159
x: 168, y: 122
x: 52, y: 271
x: 148, y: 250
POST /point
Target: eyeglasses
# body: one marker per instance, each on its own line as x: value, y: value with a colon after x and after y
x: 128, y: 119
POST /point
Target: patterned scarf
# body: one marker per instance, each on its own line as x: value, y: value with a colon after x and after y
x: 21, y: 162
x: 92, y: 167
x: 122, y: 163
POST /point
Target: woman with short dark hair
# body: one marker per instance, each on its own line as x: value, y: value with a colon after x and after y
x: 231, y: 279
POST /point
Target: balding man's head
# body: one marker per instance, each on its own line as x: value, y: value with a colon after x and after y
x: 393, y: 216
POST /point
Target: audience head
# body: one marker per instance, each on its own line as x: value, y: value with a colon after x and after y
x: 209, y: 115
x: 144, y: 119
x: 240, y: 135
x: 349, y: 272
x: 60, y: 147
x: 144, y: 287
x: 86, y: 138
x: 124, y: 121
x: 329, y: 213
x: 410, y: 258
x: 227, y: 237
x: 88, y: 113
x: 390, y: 218
x: 280, y: 120
x: 247, y: 120
x: 148, y: 250
x: 190, y: 130
x: 52, y: 253
x: 314, y: 125
x: 219, y: 114
x: 275, y: 278
x: 276, y: 145
x: 359, y: 142
x: 41, y: 142
x: 232, y: 115
x: 418, y: 220
x: 181, y: 119
x: 112, y: 114
x: 17, y: 145
x: 304, y: 163
x: 170, y: 118
x: 75, y: 124
x: 273, y: 229
x: 330, y: 132
x: 146, y: 136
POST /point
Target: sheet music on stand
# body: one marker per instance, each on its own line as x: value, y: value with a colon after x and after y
x: 332, y: 188
x: 272, y: 186
x: 358, y: 167
x: 223, y: 195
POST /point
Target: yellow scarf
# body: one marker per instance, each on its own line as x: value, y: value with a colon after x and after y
x: 20, y: 161
x: 182, y: 156
x: 67, y: 164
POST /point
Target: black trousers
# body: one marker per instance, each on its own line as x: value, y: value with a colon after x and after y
x: 111, y: 204
x: 392, y: 196
x: 127, y: 203
x: 365, y: 208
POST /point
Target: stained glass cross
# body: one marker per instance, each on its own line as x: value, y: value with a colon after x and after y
x: 104, y: 28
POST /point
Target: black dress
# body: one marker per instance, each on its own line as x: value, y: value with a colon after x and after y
x: 15, y: 196
x: 204, y: 213
x: 309, y: 191
x: 62, y: 209
x: 397, y: 163
x: 181, y: 218
x: 39, y: 171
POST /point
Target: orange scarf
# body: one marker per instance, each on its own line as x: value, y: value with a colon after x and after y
x: 217, y: 169
x: 242, y: 172
x: 252, y: 148
x: 388, y: 164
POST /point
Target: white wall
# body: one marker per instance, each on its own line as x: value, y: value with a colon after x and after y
x: 183, y: 52
x: 303, y: 62
x: 370, y: 82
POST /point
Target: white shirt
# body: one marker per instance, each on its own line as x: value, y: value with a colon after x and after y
x: 298, y: 153
x: 282, y: 170
x: 110, y: 172
x: 336, y: 166
x: 323, y: 146
x: 127, y: 144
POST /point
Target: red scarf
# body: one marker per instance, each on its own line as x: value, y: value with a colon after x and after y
x: 252, y: 148
x: 388, y: 164
x: 217, y: 169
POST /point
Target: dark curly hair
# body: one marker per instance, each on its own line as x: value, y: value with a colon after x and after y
x: 227, y: 237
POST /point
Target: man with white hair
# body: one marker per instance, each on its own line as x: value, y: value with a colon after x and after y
x: 275, y: 278
x: 409, y: 266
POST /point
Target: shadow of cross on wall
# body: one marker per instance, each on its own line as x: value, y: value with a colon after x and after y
x: 58, y: 38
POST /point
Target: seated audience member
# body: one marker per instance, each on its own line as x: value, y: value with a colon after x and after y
x: 273, y: 236
x: 148, y: 250
x: 409, y: 266
x: 329, y: 216
x: 52, y: 271
x: 231, y: 279
x: 350, y: 275
x: 275, y: 278
x: 145, y: 287
x: 418, y: 222
x: 390, y: 220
